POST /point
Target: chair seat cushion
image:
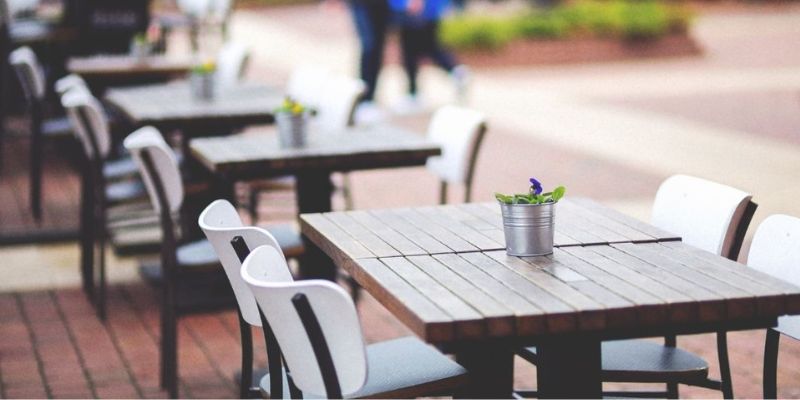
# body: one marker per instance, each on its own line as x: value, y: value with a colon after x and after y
x: 404, y: 368
x: 121, y: 168
x: 57, y: 127
x: 196, y: 254
x: 790, y: 326
x: 290, y: 240
x: 125, y: 191
x: 643, y: 361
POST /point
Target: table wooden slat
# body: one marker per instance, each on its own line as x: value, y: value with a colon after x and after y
x: 126, y: 65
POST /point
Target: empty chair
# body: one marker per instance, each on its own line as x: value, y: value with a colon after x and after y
x: 97, y: 192
x: 338, y: 100
x: 459, y: 131
x: 232, y: 62
x: 33, y: 82
x: 776, y: 251
x: 708, y: 215
x: 232, y: 243
x: 306, y: 84
x: 316, y: 325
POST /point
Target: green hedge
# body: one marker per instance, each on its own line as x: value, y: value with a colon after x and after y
x: 624, y: 19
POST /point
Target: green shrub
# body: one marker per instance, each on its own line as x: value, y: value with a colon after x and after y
x: 644, y: 20
x: 625, y: 19
x: 473, y: 32
x: 543, y: 26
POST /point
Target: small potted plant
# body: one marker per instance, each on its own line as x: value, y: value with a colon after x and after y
x: 140, y: 46
x: 529, y: 220
x: 202, y: 80
x: 292, y: 119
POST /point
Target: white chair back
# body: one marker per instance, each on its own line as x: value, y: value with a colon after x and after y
x: 221, y: 224
x: 29, y: 71
x: 202, y: 9
x: 164, y: 162
x: 458, y: 131
x: 776, y: 248
x: 232, y: 63
x: 306, y: 84
x: 16, y: 7
x: 70, y: 82
x: 340, y: 95
x: 705, y: 214
x: 334, y: 310
x: 88, y: 121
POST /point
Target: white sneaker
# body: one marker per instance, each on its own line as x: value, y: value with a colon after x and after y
x: 408, y: 105
x: 368, y: 113
x: 461, y: 77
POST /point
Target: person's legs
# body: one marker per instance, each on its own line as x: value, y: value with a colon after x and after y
x: 438, y: 54
x: 410, y: 43
x: 371, y: 19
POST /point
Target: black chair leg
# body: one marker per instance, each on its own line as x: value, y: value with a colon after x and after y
x: 36, y: 172
x: 246, y: 380
x: 672, y: 391
x: 253, y: 205
x: 724, y: 365
x: 87, y: 230
x: 771, y: 364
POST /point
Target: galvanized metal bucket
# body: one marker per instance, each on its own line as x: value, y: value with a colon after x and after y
x: 292, y: 129
x: 202, y: 86
x: 529, y: 228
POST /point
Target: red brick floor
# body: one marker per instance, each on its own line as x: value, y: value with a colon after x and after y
x: 53, y: 346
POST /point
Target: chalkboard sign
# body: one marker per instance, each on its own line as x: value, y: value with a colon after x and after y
x: 106, y: 26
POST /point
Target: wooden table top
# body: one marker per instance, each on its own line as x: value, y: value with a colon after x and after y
x: 444, y: 272
x: 115, y: 65
x: 260, y: 155
x: 172, y: 105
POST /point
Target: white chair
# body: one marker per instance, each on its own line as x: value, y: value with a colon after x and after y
x: 190, y: 272
x: 708, y: 215
x: 776, y: 251
x: 316, y: 325
x: 306, y: 84
x: 337, y: 102
x: 459, y: 131
x: 232, y: 62
x: 232, y: 243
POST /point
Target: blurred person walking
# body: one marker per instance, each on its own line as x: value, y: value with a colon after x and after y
x: 419, y: 35
x: 371, y: 18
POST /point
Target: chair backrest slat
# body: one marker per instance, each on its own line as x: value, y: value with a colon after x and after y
x: 29, y: 72
x: 165, y: 164
x: 231, y: 239
x: 232, y: 63
x: 776, y: 248
x: 459, y: 131
x: 336, y: 316
x: 88, y: 121
x: 338, y: 100
x: 705, y: 214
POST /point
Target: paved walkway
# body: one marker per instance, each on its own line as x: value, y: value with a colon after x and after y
x: 610, y: 131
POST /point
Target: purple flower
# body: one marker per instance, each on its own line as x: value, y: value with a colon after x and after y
x: 536, y: 186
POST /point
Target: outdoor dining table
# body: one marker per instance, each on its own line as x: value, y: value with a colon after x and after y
x: 260, y: 155
x: 443, y: 271
x: 171, y: 106
x: 103, y: 71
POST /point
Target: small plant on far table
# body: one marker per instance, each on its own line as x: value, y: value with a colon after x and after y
x: 291, y: 117
x: 202, y: 80
x: 534, y: 195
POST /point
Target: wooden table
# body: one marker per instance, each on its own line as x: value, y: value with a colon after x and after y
x: 444, y: 273
x: 256, y: 156
x: 104, y: 71
x: 171, y: 107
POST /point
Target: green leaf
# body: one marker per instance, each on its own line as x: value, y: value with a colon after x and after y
x: 558, y: 193
x: 521, y: 199
x: 503, y: 198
